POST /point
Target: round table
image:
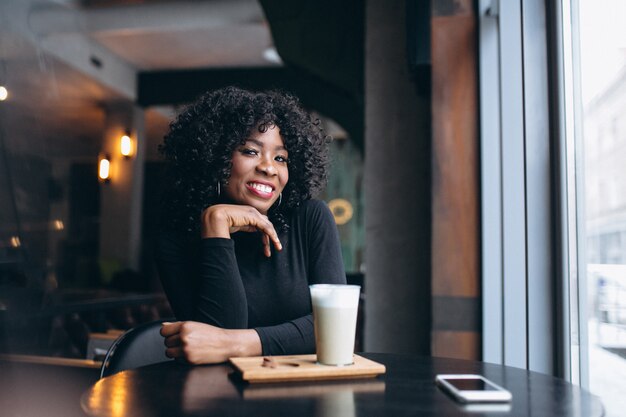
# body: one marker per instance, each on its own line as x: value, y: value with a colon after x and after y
x: 407, y: 389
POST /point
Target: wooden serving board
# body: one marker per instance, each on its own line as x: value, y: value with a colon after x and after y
x: 302, y: 368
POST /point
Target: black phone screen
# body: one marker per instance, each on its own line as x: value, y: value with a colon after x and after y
x: 473, y: 384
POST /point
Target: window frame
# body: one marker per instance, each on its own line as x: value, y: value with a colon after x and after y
x: 528, y: 161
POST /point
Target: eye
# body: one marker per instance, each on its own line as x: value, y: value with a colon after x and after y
x: 282, y: 158
x: 249, y: 151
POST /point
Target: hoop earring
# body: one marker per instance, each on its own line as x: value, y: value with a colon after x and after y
x: 218, y: 189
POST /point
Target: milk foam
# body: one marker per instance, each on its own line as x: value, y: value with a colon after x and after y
x: 335, y: 296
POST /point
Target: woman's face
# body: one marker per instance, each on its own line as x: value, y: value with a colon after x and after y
x: 259, y: 172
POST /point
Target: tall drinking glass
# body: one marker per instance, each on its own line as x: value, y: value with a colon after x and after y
x: 335, y: 312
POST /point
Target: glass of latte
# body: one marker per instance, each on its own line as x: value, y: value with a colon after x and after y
x: 334, y: 313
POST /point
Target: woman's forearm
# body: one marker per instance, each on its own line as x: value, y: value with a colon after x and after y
x: 245, y: 343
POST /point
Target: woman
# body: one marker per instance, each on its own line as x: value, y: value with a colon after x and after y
x: 242, y: 239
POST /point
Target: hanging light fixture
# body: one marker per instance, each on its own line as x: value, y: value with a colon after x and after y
x: 4, y: 93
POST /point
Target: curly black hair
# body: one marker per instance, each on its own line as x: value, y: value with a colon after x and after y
x: 201, y: 141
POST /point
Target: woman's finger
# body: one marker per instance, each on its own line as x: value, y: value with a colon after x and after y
x: 169, y: 329
x: 247, y: 219
x: 247, y: 229
x: 266, y: 226
x: 269, y: 237
x: 266, y: 245
x: 174, y: 352
x: 173, y: 341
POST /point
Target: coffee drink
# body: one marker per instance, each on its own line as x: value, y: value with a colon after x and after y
x: 335, y: 313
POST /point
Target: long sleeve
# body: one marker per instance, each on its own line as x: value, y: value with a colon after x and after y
x: 230, y: 283
x: 323, y: 264
x: 221, y: 299
x: 291, y: 338
x: 202, y: 282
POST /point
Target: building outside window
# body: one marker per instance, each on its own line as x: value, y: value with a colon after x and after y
x: 599, y: 29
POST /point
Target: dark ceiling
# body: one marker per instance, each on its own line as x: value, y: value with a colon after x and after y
x: 64, y: 60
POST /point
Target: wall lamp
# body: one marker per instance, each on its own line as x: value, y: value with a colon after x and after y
x: 15, y: 242
x: 126, y: 145
x: 104, y: 168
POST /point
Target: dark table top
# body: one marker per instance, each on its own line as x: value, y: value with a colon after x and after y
x: 407, y: 389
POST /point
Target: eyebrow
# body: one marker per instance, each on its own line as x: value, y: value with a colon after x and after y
x: 261, y: 144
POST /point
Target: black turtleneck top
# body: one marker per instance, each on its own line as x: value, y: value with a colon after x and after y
x: 230, y: 283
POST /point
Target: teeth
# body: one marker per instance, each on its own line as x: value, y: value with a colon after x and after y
x: 261, y: 187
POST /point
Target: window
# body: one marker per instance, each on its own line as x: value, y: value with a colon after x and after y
x: 516, y: 179
x: 597, y: 71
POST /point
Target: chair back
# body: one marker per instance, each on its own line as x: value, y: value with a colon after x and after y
x: 139, y: 346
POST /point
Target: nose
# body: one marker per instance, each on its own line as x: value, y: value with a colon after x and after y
x: 266, y: 166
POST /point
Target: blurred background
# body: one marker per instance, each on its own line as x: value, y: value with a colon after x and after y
x: 76, y: 249
x: 476, y: 181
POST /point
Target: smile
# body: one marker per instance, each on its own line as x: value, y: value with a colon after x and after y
x: 262, y: 190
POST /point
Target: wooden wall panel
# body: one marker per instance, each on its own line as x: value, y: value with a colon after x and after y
x: 455, y: 226
x: 455, y: 344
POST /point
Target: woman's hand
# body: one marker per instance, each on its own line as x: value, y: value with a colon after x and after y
x: 221, y: 220
x: 201, y: 343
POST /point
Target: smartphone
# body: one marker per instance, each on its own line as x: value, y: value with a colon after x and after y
x: 468, y: 388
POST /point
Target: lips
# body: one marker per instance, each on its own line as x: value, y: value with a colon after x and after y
x: 260, y: 189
